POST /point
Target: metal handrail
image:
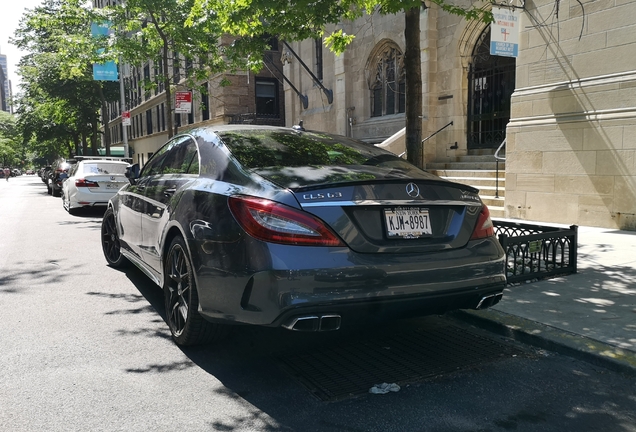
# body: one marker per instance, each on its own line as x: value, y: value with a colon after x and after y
x: 432, y: 135
x: 502, y: 145
x: 314, y: 78
x: 497, y: 159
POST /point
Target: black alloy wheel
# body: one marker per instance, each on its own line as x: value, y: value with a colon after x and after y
x: 110, y: 241
x: 182, y: 300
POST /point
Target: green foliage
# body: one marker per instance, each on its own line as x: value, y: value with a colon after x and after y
x: 59, y: 100
x: 338, y: 41
x: 294, y: 20
x: 10, y: 143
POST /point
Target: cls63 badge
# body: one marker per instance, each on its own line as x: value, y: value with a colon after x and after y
x: 322, y: 195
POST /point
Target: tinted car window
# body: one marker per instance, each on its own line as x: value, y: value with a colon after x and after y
x: 180, y: 158
x: 294, y: 159
x: 153, y: 166
x: 263, y: 148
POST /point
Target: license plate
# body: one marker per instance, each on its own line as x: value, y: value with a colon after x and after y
x: 112, y: 185
x: 411, y: 222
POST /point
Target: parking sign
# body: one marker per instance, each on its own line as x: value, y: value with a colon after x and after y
x: 183, y: 102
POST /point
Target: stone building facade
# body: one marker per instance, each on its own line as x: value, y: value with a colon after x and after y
x: 566, y: 106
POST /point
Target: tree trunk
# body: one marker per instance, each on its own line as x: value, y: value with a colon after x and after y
x: 166, y: 79
x: 413, y: 70
x: 84, y: 144
x: 76, y: 143
x: 166, y: 83
x: 94, y: 133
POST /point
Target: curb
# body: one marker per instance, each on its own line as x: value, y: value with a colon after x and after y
x: 552, y: 339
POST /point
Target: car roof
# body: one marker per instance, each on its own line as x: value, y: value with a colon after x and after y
x: 233, y: 127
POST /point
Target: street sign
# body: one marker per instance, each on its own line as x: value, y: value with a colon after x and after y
x: 183, y: 102
x: 125, y: 118
x: 504, y: 32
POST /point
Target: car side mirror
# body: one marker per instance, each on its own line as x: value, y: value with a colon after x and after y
x: 132, y: 173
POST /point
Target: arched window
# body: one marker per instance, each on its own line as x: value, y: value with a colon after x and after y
x: 386, y: 81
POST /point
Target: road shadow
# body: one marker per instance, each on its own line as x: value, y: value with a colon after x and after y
x: 46, y: 273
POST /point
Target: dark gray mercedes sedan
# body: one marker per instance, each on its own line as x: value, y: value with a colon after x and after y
x: 305, y: 230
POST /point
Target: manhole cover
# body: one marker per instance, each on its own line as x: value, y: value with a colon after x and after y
x: 404, y: 356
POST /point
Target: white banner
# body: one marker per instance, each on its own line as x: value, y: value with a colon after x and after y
x: 504, y: 32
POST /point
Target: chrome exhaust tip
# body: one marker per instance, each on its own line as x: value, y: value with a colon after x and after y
x: 303, y: 323
x: 488, y: 301
x: 314, y: 323
x: 329, y: 323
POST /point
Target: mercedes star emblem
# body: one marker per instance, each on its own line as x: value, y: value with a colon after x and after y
x: 412, y: 190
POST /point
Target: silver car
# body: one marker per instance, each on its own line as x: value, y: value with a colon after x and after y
x: 304, y: 230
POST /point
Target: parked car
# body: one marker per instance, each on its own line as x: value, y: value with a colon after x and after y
x: 44, y: 174
x: 92, y: 182
x: 305, y: 230
x: 30, y: 172
x: 55, y: 177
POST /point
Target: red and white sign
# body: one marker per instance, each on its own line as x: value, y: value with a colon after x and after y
x: 125, y: 118
x: 183, y: 102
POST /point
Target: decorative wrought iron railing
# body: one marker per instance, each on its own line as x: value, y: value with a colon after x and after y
x: 536, y: 252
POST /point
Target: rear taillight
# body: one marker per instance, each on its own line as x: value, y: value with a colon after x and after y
x: 86, y: 183
x: 484, y: 227
x: 277, y: 223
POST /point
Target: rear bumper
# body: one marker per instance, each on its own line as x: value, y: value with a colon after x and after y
x: 392, y: 308
x: 356, y: 286
x: 78, y: 199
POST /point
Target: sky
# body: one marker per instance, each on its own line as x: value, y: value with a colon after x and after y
x: 10, y: 15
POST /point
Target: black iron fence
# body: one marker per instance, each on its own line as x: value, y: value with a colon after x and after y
x: 537, y: 252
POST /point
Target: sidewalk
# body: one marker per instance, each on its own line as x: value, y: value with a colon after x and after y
x: 590, y: 314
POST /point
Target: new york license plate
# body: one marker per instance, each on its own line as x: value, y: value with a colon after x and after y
x: 407, y: 222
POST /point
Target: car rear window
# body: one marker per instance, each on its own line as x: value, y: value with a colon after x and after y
x: 295, y: 159
x: 263, y: 148
x: 104, y: 168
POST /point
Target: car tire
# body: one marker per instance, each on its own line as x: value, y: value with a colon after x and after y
x: 187, y: 326
x: 110, y: 241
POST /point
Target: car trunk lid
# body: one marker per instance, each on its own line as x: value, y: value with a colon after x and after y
x: 386, y: 214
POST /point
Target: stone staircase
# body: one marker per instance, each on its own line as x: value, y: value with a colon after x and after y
x: 480, y: 171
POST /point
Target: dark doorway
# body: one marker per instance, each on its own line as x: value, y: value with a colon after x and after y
x: 491, y: 81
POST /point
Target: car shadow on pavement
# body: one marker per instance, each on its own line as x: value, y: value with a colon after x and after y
x: 246, y: 363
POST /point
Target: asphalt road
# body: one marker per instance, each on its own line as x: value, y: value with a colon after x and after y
x: 84, y: 347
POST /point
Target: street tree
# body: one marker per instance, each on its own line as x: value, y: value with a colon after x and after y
x: 292, y: 20
x: 57, y: 73
x: 153, y: 33
x: 10, y: 143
